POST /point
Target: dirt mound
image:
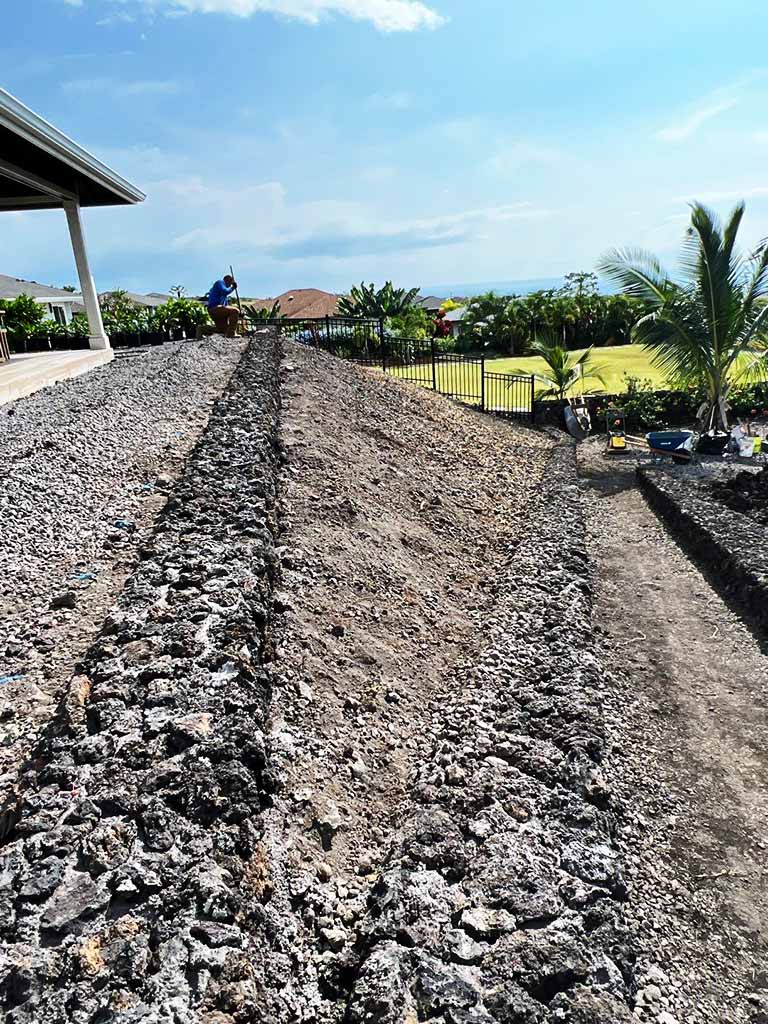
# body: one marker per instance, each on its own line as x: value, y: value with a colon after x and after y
x: 434, y: 727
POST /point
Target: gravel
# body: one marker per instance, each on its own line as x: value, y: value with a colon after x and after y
x: 86, y: 467
x: 135, y: 874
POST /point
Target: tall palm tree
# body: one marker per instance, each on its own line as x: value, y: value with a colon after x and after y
x: 564, y: 369
x: 709, y: 327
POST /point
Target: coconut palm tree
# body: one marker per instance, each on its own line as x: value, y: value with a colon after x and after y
x: 564, y: 369
x: 707, y: 329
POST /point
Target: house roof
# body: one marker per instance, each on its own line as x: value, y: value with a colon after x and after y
x: 153, y: 299
x: 40, y: 167
x: 454, y: 315
x: 12, y: 287
x: 302, y: 302
x: 429, y: 301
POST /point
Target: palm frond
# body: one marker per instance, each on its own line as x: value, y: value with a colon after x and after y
x: 637, y: 272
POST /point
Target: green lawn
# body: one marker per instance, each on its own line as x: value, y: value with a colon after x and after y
x: 616, y: 361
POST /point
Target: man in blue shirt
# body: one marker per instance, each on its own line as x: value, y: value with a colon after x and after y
x: 225, y: 317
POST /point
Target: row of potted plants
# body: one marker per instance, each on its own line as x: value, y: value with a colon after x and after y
x: 126, y: 322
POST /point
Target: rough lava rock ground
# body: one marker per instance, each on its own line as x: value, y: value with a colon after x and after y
x: 152, y: 875
x: 86, y: 466
x: 135, y: 876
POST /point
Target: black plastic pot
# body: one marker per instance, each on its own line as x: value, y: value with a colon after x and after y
x: 39, y: 343
x: 154, y: 337
x: 712, y: 444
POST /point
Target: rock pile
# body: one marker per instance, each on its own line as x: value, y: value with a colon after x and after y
x: 728, y: 543
x: 134, y: 877
x: 745, y: 492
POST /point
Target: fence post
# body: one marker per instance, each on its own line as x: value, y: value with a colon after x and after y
x: 328, y: 330
x: 434, y: 367
x: 383, y: 346
x: 533, y: 399
x: 482, y: 382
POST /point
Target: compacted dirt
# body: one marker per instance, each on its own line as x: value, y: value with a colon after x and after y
x: 689, y: 704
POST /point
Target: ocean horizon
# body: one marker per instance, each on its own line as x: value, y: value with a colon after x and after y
x: 521, y: 286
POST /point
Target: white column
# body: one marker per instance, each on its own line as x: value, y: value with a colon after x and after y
x: 97, y: 336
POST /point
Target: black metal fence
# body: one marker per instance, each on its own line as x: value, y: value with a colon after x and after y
x: 458, y: 376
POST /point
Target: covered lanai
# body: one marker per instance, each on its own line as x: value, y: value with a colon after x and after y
x: 41, y: 168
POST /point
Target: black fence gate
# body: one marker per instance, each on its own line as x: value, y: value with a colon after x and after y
x: 463, y: 377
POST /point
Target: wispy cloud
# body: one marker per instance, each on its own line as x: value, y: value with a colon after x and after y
x: 690, y: 124
x: 122, y: 90
x: 117, y: 18
x: 385, y: 15
x: 354, y: 240
x: 731, y: 195
x: 73, y: 3
x: 334, y: 230
x: 514, y: 155
x: 390, y: 101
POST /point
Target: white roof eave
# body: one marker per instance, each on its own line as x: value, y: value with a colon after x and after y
x: 26, y: 123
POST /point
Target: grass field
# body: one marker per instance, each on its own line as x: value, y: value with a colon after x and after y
x: 616, y: 361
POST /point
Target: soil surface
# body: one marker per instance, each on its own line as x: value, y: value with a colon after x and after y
x: 690, y: 760
x: 398, y: 505
x: 86, y: 468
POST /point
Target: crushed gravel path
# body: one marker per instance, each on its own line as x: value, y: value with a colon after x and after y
x: 85, y: 468
x: 688, y: 711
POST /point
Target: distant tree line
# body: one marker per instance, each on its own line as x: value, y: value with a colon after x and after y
x: 574, y: 316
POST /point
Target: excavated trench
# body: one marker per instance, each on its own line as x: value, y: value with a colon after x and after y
x: 142, y: 881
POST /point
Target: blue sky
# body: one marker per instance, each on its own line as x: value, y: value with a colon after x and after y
x: 320, y: 142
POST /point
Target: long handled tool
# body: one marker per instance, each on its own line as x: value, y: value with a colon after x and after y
x: 237, y: 293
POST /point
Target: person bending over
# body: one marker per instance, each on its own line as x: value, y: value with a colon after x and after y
x: 225, y: 317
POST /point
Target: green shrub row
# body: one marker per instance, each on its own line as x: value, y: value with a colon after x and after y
x: 25, y: 318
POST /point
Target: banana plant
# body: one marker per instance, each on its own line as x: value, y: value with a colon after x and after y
x: 367, y: 300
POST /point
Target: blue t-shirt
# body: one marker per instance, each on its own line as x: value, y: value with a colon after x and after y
x: 217, y: 296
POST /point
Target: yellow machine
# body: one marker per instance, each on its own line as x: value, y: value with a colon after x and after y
x: 617, y: 437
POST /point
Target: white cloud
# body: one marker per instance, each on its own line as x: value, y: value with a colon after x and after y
x: 122, y: 90
x: 390, y: 101
x: 688, y: 127
x: 385, y: 15
x: 73, y: 3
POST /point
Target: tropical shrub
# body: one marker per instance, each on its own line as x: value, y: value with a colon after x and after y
x: 440, y: 327
x: 179, y: 314
x: 644, y: 406
x: 258, y: 316
x: 563, y: 370
x: 24, y: 317
x: 414, y: 322
x: 367, y: 300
